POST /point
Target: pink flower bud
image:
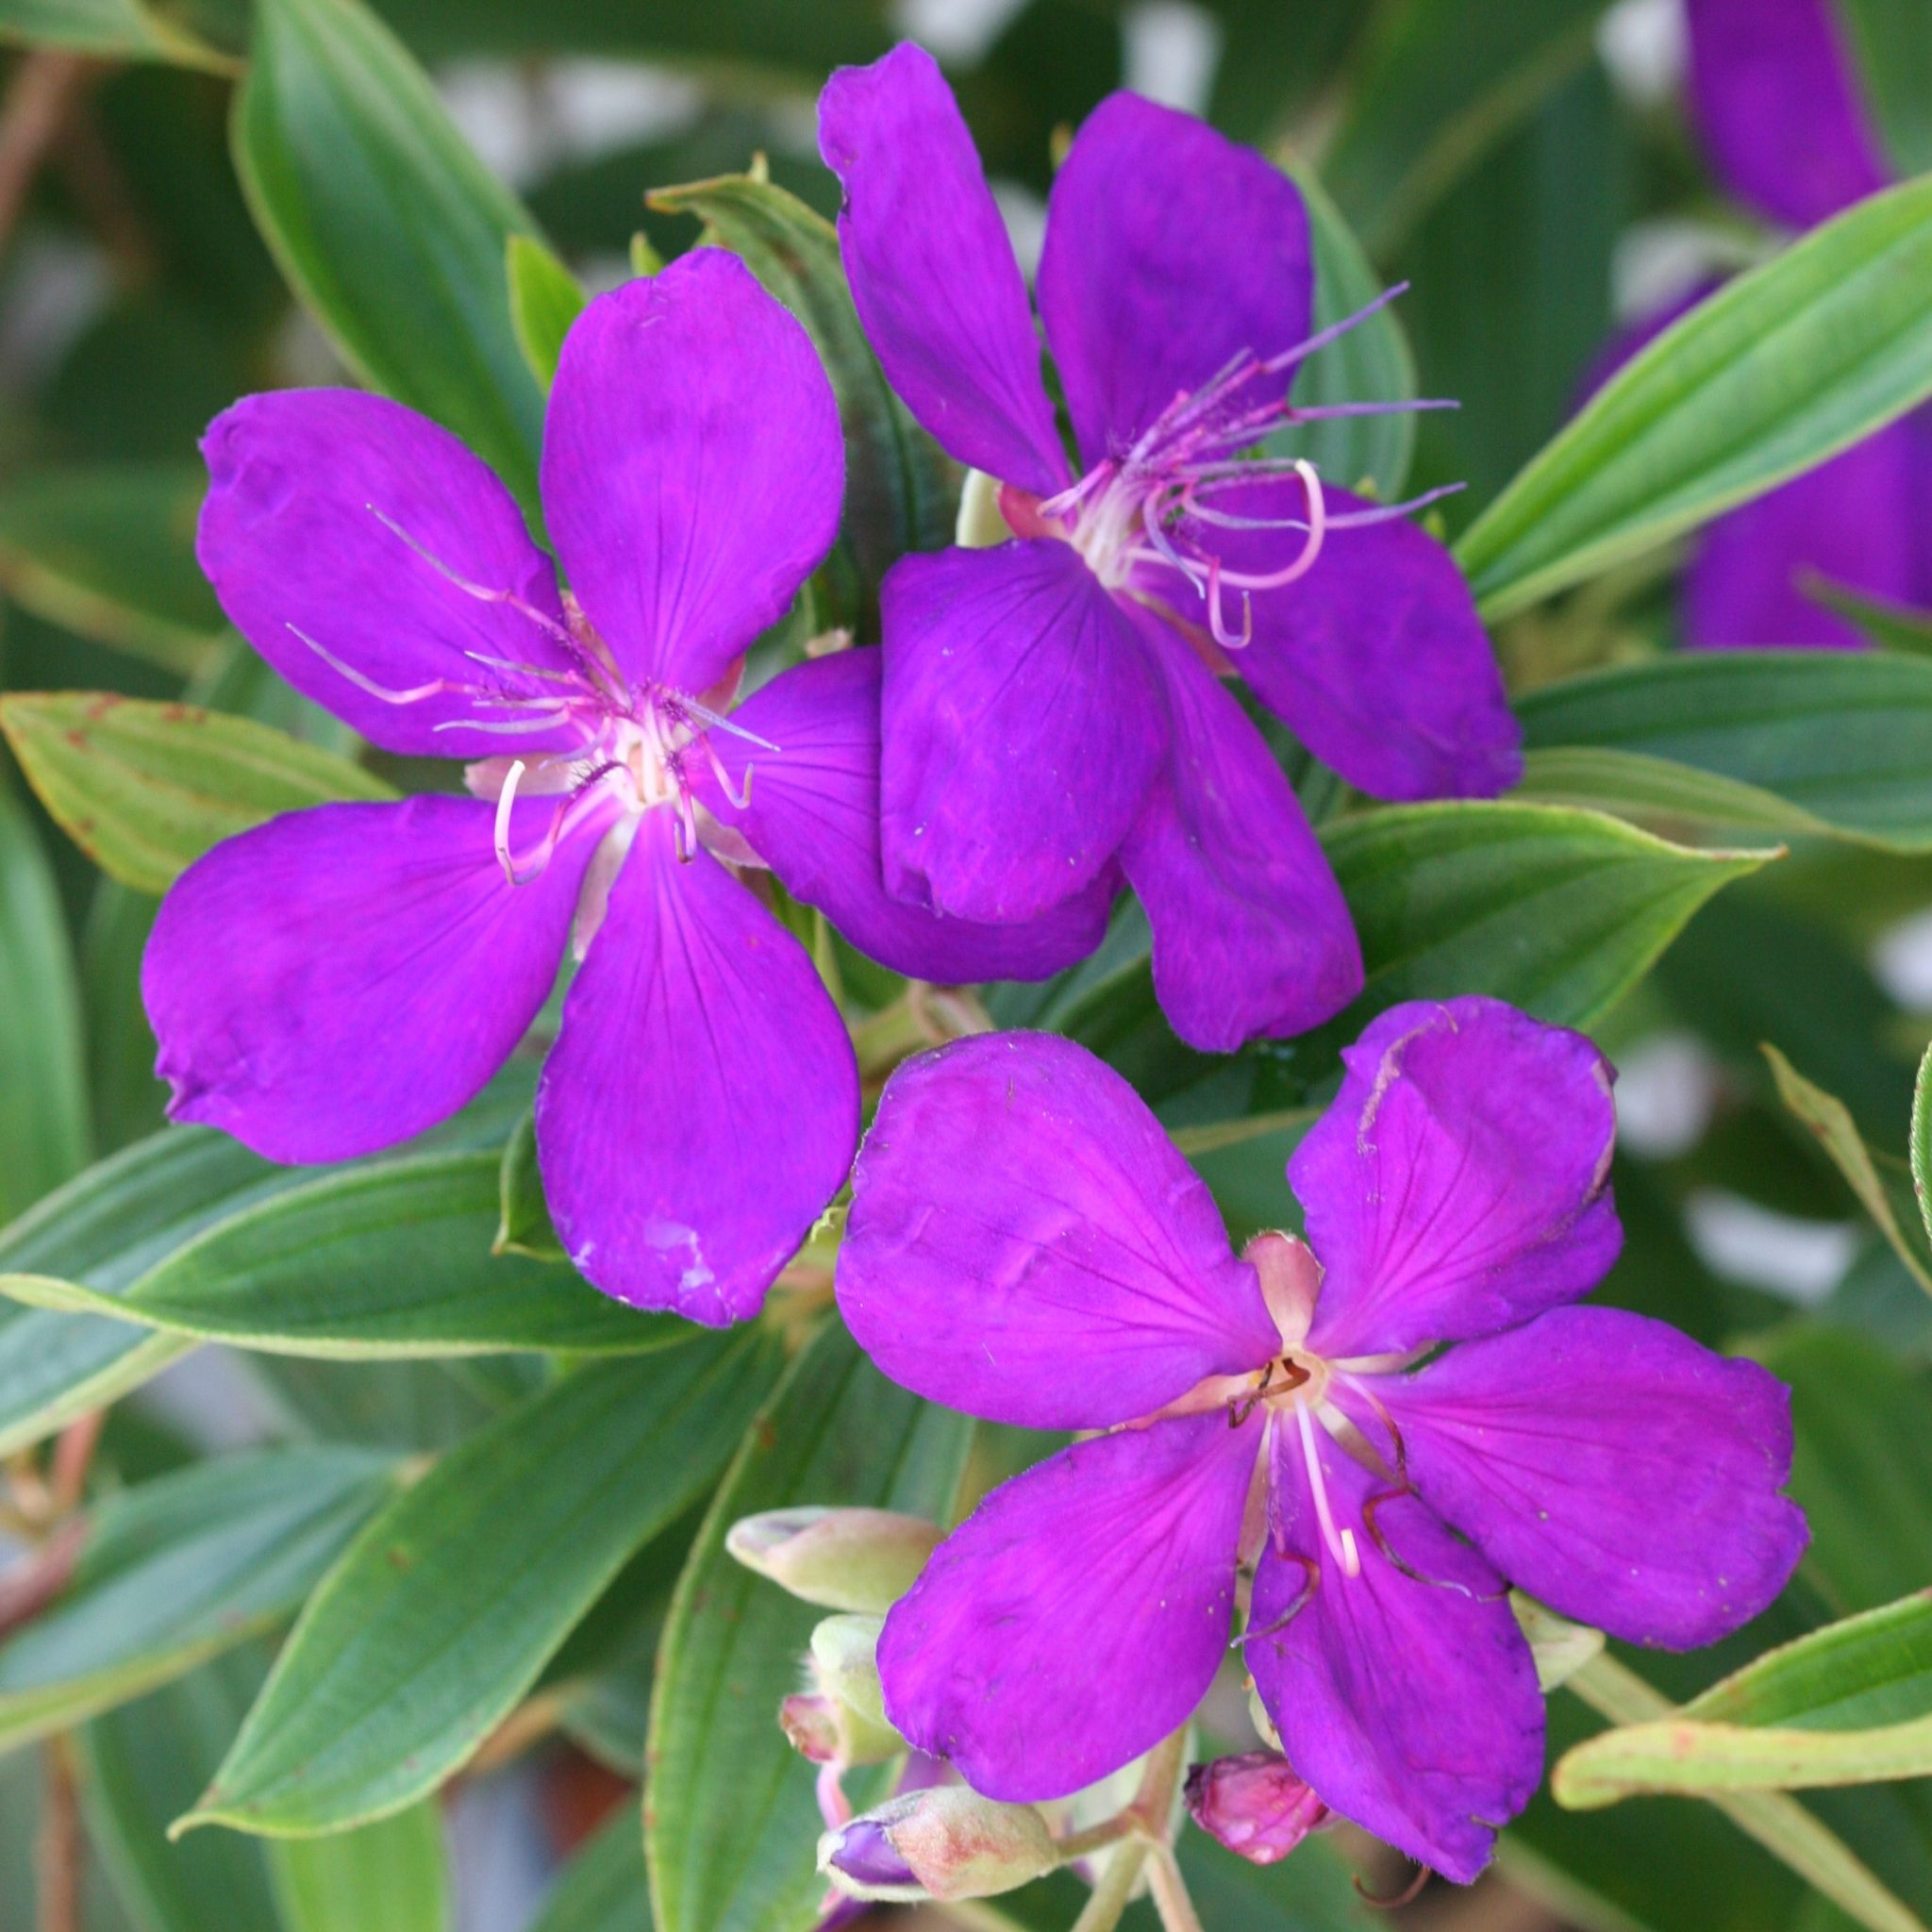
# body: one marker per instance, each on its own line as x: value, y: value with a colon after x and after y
x: 1254, y: 1805
x: 945, y: 1843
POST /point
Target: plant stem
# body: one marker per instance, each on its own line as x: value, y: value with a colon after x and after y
x: 1170, y: 1889
x: 1782, y: 1825
x: 1102, y: 1913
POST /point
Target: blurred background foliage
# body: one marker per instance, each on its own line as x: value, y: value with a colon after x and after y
x: 1527, y: 166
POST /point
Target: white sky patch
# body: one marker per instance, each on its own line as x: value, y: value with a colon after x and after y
x: 524, y: 126
x: 54, y: 287
x: 1645, y: 44
x: 1665, y: 1092
x: 1799, y: 1261
x: 957, y: 31
x: 1024, y: 215
x: 1656, y: 262
x: 1172, y: 49
x: 1902, y: 960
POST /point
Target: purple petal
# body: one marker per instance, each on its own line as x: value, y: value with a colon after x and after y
x: 1027, y: 1245
x: 1410, y: 1706
x: 1854, y: 520
x: 1376, y: 659
x: 932, y: 272
x: 337, y: 980
x: 1168, y: 251
x: 1612, y: 1467
x: 1458, y: 1184
x: 811, y: 813
x: 1776, y: 102
x: 1250, y: 935
x: 336, y: 526
x: 700, y: 1105
x: 692, y: 466
x: 1079, y: 1615
x: 1021, y: 726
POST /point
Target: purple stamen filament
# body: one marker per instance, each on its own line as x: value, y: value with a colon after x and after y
x: 643, y: 737
x: 1149, y: 506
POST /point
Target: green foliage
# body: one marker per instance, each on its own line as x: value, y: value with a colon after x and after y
x: 489, y: 1504
x: 1782, y: 368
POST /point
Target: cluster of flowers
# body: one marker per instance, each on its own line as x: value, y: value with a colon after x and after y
x: 1274, y: 1444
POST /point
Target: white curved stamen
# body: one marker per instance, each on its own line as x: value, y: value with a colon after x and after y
x: 1341, y: 1545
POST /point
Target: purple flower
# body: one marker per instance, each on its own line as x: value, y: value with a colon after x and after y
x: 1050, y: 706
x: 340, y: 979
x: 1027, y: 1246
x: 1777, y: 104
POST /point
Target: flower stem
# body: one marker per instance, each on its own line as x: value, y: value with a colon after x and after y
x: 1170, y: 1889
x: 1102, y: 1913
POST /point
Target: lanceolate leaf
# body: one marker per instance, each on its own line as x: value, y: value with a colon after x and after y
x: 1370, y: 363
x: 1843, y: 738
x: 146, y: 788
x: 1921, y: 1141
x: 386, y: 1260
x: 1849, y: 1704
x: 386, y: 225
x: 108, y: 551
x: 1437, y: 83
x: 604, y: 1888
x: 899, y: 487
x: 1882, y: 1186
x: 140, y: 1765
x: 43, y: 1101
x: 391, y: 1873
x: 109, y: 1226
x: 116, y: 30
x: 179, y: 1569
x: 441, y: 1615
x: 1782, y: 367
x: 731, y: 1819
x: 545, y: 299
x: 1559, y: 912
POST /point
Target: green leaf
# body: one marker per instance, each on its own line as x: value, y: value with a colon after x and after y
x: 443, y: 1612
x: 1370, y: 363
x: 1780, y: 369
x: 113, y: 29
x: 109, y: 1227
x: 1849, y: 1703
x: 1780, y: 1823
x: 1882, y: 1186
x: 177, y: 1570
x: 1673, y: 801
x: 1439, y: 83
x: 523, y: 1225
x: 146, y: 788
x: 1863, y: 1468
x: 388, y: 1261
x: 605, y: 1887
x: 140, y: 1765
x: 1892, y: 627
x: 1894, y: 54
x: 43, y: 1099
x: 545, y: 299
x: 391, y: 1873
x: 1921, y: 1141
x: 1843, y: 738
x: 386, y: 224
x: 1557, y: 910
x: 730, y: 1819
x: 899, y: 488
x: 108, y: 552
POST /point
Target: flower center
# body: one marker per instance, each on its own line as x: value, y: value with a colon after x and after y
x: 1151, y: 508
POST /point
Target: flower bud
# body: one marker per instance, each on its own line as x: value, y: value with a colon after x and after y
x: 824, y: 1731
x: 843, y: 1560
x: 947, y: 1843
x: 1254, y: 1805
x: 1559, y: 1647
x: 844, y: 1663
